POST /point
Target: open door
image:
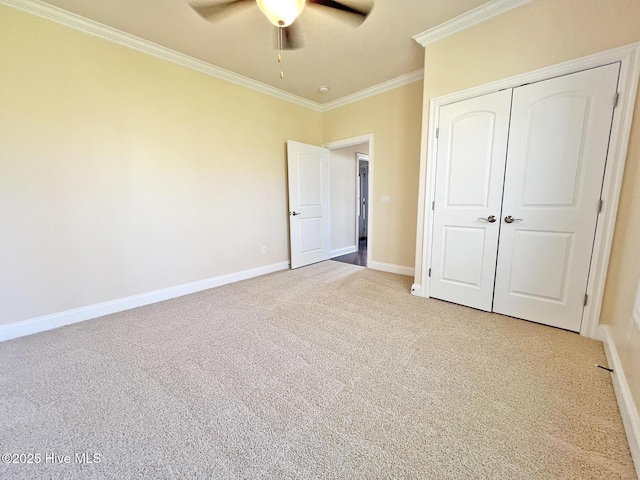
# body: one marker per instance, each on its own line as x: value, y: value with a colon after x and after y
x: 308, y: 168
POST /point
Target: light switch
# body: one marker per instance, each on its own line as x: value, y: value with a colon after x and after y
x: 385, y: 199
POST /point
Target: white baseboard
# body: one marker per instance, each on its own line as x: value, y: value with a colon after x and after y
x: 421, y: 290
x: 49, y: 322
x: 344, y: 251
x: 391, y: 268
x: 628, y: 408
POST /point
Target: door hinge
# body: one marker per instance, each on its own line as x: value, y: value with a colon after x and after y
x: 437, y: 132
x: 615, y: 99
x: 600, y: 206
x: 429, y: 272
x: 433, y: 205
x: 586, y: 299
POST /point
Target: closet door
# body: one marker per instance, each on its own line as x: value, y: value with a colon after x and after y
x: 469, y: 178
x: 557, y: 151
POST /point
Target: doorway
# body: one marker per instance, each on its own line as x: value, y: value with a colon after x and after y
x: 351, y: 212
x: 359, y: 255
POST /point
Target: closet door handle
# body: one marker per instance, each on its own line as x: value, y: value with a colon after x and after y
x: 490, y: 218
x: 510, y: 219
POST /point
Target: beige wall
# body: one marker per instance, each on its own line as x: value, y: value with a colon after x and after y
x: 394, y: 117
x: 121, y: 173
x: 624, y: 266
x: 539, y: 34
x: 343, y: 196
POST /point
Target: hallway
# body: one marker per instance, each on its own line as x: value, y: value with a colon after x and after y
x: 355, y: 258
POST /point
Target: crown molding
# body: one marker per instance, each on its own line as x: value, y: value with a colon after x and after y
x: 111, y: 34
x: 375, y: 90
x: 468, y: 19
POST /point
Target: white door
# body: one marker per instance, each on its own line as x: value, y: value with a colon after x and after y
x: 469, y: 178
x: 557, y: 151
x: 308, y: 168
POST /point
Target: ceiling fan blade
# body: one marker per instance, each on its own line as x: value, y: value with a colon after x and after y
x: 211, y: 11
x: 292, y: 37
x: 358, y: 14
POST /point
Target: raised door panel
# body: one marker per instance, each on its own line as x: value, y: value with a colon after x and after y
x: 469, y: 178
x: 554, y: 158
x: 557, y: 152
x: 462, y: 258
x: 469, y: 159
x: 310, y: 180
x: 539, y: 264
x: 311, y: 235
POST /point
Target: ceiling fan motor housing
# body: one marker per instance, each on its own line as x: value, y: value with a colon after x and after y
x: 281, y: 13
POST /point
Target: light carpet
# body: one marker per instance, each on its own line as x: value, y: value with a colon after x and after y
x: 330, y: 371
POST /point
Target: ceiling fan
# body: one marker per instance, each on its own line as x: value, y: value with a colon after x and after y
x: 281, y: 13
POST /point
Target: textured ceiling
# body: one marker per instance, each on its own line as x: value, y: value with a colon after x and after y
x: 335, y: 54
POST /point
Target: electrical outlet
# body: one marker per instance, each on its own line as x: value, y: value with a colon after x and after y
x: 264, y: 250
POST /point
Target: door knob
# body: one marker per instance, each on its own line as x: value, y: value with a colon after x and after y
x: 295, y: 213
x: 510, y: 219
x: 490, y: 218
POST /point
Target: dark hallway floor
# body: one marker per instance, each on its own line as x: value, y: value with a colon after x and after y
x: 355, y: 258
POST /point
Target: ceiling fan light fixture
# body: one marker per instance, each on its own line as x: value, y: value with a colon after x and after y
x: 281, y: 13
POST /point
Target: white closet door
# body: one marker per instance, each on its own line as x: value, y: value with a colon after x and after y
x: 558, y: 145
x: 469, y: 178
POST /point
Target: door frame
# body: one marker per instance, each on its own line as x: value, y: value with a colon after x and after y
x: 629, y: 57
x: 348, y: 142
